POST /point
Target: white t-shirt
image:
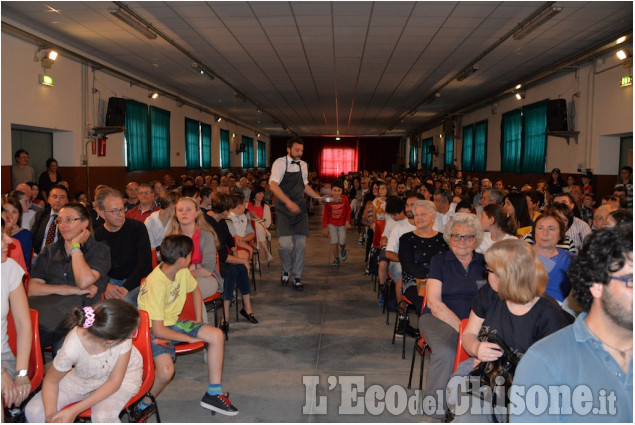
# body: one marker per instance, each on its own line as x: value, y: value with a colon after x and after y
x: 156, y: 230
x: 11, y: 278
x: 443, y: 219
x: 400, y: 228
x: 278, y: 168
x: 488, y: 242
x: 239, y: 225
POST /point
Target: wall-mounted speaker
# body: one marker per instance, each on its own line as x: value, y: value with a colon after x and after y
x: 116, y: 113
x: 557, y: 115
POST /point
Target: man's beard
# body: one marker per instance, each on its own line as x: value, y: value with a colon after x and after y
x: 620, y: 315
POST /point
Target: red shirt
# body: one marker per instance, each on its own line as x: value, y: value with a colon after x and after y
x: 337, y: 214
x: 135, y: 213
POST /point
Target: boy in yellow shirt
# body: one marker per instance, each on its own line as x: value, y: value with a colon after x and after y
x: 163, y: 296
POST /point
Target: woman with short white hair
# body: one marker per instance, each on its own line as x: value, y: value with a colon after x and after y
x: 454, y: 278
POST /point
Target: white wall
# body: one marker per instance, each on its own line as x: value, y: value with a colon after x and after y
x: 78, y: 101
x: 603, y: 113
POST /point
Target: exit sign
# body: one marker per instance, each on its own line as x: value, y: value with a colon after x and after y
x: 626, y: 81
x: 46, y: 80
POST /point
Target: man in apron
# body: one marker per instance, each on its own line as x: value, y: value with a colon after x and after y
x: 289, y: 182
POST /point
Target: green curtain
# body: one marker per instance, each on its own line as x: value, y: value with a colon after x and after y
x: 426, y: 156
x: 206, y: 146
x: 449, y: 149
x: 534, y: 138
x: 467, y: 154
x: 159, y: 138
x: 192, y: 140
x: 248, y: 155
x: 511, y: 131
x: 224, y: 149
x: 138, y: 149
x: 413, y: 155
x: 479, y: 163
x: 262, y: 154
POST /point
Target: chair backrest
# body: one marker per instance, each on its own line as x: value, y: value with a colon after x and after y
x: 188, y: 312
x: 36, y: 362
x: 461, y: 354
x: 380, y: 225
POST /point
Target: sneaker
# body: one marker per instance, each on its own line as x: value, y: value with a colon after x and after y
x: 360, y: 240
x: 401, y: 327
x: 336, y: 263
x: 269, y: 258
x: 219, y: 403
x: 412, y: 331
x: 344, y: 255
x: 284, y: 279
x: 298, y: 285
x: 142, y: 415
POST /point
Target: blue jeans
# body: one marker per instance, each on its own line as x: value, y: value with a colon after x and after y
x: 132, y: 295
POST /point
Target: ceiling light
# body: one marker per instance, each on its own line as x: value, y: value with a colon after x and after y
x: 520, y: 95
x: 133, y: 23
x: 467, y: 72
x: 622, y: 54
x: 518, y: 86
x: 202, y: 70
x: 535, y: 22
x: 217, y: 118
x: 621, y: 40
x: 153, y: 95
x: 258, y: 135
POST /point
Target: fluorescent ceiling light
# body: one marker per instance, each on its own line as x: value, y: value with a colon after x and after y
x: 133, y: 23
x: 621, y: 40
x: 622, y: 54
x: 535, y: 22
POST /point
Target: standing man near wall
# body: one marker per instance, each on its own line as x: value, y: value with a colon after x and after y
x: 289, y: 182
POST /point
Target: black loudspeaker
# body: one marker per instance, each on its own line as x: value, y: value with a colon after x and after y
x: 557, y: 115
x: 116, y: 114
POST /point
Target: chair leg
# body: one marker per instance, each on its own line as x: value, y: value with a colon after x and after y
x: 236, y: 301
x: 423, y: 356
x: 403, y: 348
x: 156, y: 406
x: 412, y: 364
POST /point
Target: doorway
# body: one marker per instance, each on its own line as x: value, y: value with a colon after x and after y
x: 38, y: 144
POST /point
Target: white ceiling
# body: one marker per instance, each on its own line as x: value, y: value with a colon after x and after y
x: 363, y: 68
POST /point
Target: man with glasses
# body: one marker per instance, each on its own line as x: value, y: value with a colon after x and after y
x: 146, y: 205
x: 44, y: 229
x: 586, y: 368
x: 130, y: 252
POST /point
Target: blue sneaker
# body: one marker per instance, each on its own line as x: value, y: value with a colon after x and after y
x: 344, y: 255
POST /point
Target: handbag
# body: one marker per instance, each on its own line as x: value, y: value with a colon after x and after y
x: 504, y: 366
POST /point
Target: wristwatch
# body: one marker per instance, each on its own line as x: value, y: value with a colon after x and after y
x: 22, y: 373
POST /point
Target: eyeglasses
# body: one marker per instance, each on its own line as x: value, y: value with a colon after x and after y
x: 628, y: 280
x: 456, y: 237
x: 67, y: 220
x: 116, y: 211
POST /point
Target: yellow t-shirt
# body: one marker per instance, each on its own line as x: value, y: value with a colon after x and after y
x: 164, y: 299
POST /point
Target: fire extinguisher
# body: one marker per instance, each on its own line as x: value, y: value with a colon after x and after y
x: 93, y: 146
x: 101, y: 146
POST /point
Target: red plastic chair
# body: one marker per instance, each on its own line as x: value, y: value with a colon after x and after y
x: 188, y: 313
x: 380, y: 225
x: 420, y: 347
x: 461, y: 354
x: 36, y: 362
x: 142, y: 342
x: 155, y: 258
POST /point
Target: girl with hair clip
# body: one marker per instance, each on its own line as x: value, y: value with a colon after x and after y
x: 97, y: 368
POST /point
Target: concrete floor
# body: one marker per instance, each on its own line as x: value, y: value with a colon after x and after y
x: 333, y: 329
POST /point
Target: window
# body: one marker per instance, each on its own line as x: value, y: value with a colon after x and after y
x: 335, y: 161
x: 474, y: 155
x: 198, y: 145
x: 426, y: 154
x: 224, y: 149
x: 262, y: 154
x: 248, y: 155
x: 147, y: 137
x: 449, y: 149
x: 468, y: 148
x: 523, y: 139
x: 414, y: 153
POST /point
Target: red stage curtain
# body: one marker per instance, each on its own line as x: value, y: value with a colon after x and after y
x: 337, y: 160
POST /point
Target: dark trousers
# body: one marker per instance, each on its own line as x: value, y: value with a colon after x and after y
x: 234, y: 274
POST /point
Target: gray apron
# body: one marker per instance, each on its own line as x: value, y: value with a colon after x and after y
x: 288, y: 223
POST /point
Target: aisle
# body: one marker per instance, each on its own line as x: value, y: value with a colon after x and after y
x: 333, y: 328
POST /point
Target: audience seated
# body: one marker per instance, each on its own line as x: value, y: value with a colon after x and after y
x: 44, y: 229
x: 146, y: 205
x: 158, y: 222
x: 12, y: 215
x: 240, y: 226
x: 260, y: 214
x: 496, y: 225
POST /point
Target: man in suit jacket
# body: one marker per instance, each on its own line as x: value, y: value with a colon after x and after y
x: 58, y: 197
